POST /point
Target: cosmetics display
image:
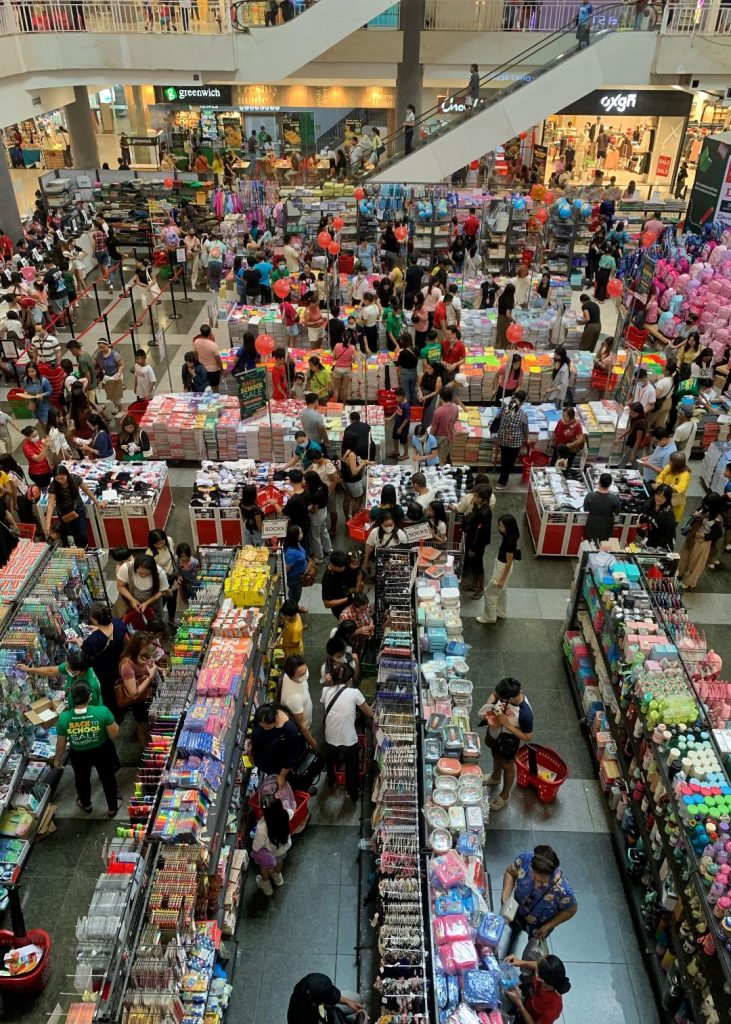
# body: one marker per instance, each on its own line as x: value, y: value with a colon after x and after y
x: 214, y: 506
x: 136, y: 495
x: 555, y: 507
x: 636, y: 665
x: 183, y: 846
x: 51, y: 612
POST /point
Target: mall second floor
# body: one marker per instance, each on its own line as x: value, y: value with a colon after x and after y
x: 47, y: 48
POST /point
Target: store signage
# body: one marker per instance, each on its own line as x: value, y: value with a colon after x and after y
x: 143, y: 140
x: 206, y: 95
x: 664, y: 163
x: 452, y: 104
x: 418, y: 531
x: 640, y: 102
x: 259, y: 108
x: 252, y: 391
x: 271, y: 528
x: 627, y: 383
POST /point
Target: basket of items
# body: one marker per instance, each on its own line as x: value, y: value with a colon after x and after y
x: 542, y: 769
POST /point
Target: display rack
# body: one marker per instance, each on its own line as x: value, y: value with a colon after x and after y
x: 48, y: 613
x: 187, y: 815
x: 632, y: 656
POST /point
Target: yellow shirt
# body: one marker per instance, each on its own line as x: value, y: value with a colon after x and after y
x: 292, y: 630
x: 679, y: 483
x: 397, y: 277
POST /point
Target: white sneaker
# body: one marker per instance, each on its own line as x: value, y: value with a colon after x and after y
x: 484, y: 621
x: 265, y: 885
x: 276, y: 877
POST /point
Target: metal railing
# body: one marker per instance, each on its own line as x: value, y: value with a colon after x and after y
x: 247, y: 14
x: 208, y: 17
x: 686, y: 17
x: 527, y: 16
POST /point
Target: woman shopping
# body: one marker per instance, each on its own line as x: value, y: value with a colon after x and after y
x: 676, y: 476
x: 496, y: 592
x: 561, y: 379
x: 543, y: 900
x: 64, y: 498
x: 706, y: 527
x: 137, y: 674
x: 276, y: 743
x: 296, y: 561
x: 428, y: 390
x: 103, y: 648
x: 37, y: 390
x: 509, y: 718
x: 512, y: 436
x: 509, y: 379
x: 544, y: 1003
x: 162, y: 548
x: 385, y: 535
x: 477, y: 532
x: 142, y: 586
x: 88, y: 732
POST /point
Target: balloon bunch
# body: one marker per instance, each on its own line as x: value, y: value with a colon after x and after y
x: 367, y: 207
x: 424, y: 210
x: 519, y: 203
x: 442, y: 208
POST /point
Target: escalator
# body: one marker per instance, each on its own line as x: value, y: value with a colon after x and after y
x: 290, y: 46
x: 550, y: 74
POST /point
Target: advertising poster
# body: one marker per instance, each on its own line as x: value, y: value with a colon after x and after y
x: 353, y: 129
x: 540, y: 160
x: 710, y: 195
x: 664, y: 163
x: 252, y: 391
x: 291, y: 133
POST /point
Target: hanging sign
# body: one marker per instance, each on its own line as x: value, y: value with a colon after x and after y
x: 418, y: 531
x: 664, y: 164
x: 271, y: 528
x: 252, y: 391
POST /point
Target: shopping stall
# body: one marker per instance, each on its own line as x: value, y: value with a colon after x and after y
x: 654, y: 733
x: 555, y: 507
x: 136, y: 498
x: 50, y: 591
x: 159, y: 943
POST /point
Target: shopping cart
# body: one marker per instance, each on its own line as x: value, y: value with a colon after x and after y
x: 542, y: 769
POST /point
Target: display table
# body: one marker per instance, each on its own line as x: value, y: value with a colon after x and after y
x: 559, y: 531
x: 189, y: 427
x: 214, y: 506
x: 137, y: 499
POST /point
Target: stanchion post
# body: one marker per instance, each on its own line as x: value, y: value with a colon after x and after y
x: 120, y: 267
x: 96, y: 297
x: 174, y: 315
x: 185, y: 297
x: 132, y: 304
x: 153, y: 339
x: 106, y: 328
x: 134, y: 343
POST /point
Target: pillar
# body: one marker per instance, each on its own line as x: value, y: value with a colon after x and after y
x: 410, y: 72
x: 9, y: 214
x: 136, y: 109
x: 84, y: 150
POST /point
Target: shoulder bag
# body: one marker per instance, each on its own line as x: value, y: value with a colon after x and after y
x: 309, y: 576
x: 122, y: 695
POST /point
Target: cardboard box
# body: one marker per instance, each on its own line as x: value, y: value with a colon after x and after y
x: 44, y: 712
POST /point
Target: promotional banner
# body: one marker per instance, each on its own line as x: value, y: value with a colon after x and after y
x: 540, y: 160
x: 252, y: 391
x: 710, y: 198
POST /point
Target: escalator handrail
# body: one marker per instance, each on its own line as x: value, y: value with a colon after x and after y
x: 518, y: 59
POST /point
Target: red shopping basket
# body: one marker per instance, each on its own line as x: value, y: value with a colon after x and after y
x: 27, y: 531
x: 268, y: 497
x: 636, y: 336
x: 36, y: 980
x: 360, y: 526
x: 533, y: 458
x: 533, y: 759
x: 299, y: 818
x: 387, y: 400
x: 137, y: 410
x: 362, y: 763
x: 601, y: 381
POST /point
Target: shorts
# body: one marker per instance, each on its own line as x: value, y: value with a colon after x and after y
x: 60, y: 304
x: 341, y: 371
x: 102, y: 259
x: 294, y: 331
x: 355, y: 488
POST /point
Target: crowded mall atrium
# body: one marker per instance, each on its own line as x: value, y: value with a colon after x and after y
x: 365, y: 512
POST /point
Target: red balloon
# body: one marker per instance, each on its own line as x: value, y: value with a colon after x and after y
x: 402, y: 233
x: 359, y: 193
x: 648, y: 238
x: 324, y: 239
x: 338, y: 223
x: 542, y: 215
x: 523, y: 135
x: 168, y: 182
x: 615, y: 287
x: 334, y: 248
x: 281, y: 288
x: 548, y: 198
x: 474, y: 165
x: 264, y: 344
x: 514, y: 333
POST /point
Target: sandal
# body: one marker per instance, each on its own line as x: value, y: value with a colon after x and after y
x: 113, y: 814
x: 86, y: 810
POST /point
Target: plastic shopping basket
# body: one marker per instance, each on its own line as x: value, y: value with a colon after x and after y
x: 360, y: 526
x: 362, y: 762
x: 533, y: 458
x: 636, y: 336
x: 532, y: 760
x: 298, y: 819
x: 387, y: 400
x: 27, y: 531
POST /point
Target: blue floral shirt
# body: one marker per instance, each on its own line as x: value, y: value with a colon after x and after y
x: 537, y: 905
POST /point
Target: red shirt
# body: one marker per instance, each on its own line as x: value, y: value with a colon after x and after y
x: 453, y: 353
x: 280, y: 390
x: 289, y: 313
x: 443, y: 420
x: 7, y: 247
x: 440, y: 315
x: 30, y: 450
x: 544, y: 1007
x: 566, y: 433
x: 471, y: 226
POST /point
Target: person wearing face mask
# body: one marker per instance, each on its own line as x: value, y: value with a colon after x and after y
x: 295, y: 695
x: 509, y: 719
x: 75, y: 669
x: 142, y: 584
x: 383, y: 536
x: 36, y: 452
x: 342, y: 701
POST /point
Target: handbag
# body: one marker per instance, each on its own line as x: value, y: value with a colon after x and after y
x: 69, y: 517
x: 306, y: 770
x: 509, y: 908
x: 495, y: 425
x: 505, y: 746
x: 122, y: 697
x: 676, y: 499
x: 309, y: 576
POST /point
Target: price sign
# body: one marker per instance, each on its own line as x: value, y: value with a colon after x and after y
x: 271, y: 528
x: 664, y: 164
x: 419, y: 531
